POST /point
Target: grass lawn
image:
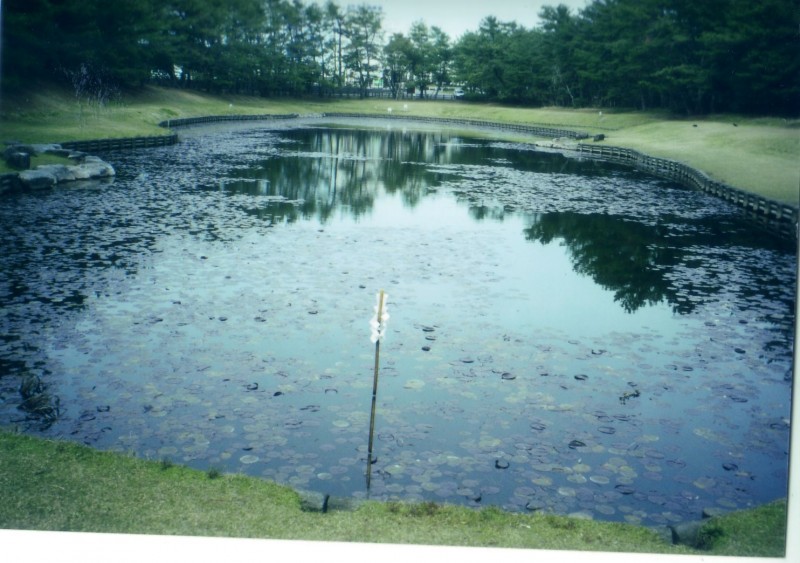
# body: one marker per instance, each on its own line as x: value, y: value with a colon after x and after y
x: 62, y: 486
x: 760, y: 155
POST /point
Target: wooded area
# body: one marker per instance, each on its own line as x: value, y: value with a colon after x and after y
x: 685, y: 56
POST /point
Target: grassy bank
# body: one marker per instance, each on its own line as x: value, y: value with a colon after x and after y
x: 61, y: 486
x: 755, y: 154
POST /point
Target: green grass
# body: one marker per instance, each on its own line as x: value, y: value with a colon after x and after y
x: 61, y: 486
x: 759, y: 155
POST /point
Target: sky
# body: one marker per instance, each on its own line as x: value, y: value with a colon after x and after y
x: 455, y: 17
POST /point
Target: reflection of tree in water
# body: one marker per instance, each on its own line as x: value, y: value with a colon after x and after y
x: 334, y: 170
x: 627, y: 257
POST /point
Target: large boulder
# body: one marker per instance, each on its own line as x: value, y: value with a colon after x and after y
x: 92, y: 167
x: 48, y: 175
x: 37, y: 179
x: 61, y: 172
x: 86, y: 167
x: 18, y: 160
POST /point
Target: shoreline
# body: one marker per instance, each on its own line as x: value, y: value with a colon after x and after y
x: 779, y: 217
x: 687, y: 537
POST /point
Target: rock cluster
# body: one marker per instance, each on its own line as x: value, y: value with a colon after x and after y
x: 85, y: 167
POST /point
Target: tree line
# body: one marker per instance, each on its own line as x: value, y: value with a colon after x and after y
x: 681, y: 55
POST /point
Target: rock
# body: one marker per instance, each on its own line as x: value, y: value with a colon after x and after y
x: 27, y: 149
x: 18, y: 160
x: 48, y: 175
x: 61, y: 172
x: 37, y: 179
x: 93, y: 167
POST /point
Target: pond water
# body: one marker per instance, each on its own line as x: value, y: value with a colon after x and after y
x: 565, y: 336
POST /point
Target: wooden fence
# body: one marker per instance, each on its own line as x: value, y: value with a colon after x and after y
x: 184, y: 121
x: 780, y: 215
x: 124, y: 143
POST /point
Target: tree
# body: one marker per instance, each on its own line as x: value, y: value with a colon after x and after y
x: 419, y: 57
x: 194, y: 32
x: 362, y: 54
x: 28, y: 41
x: 235, y: 55
x: 681, y: 55
x: 335, y: 19
x: 115, y: 43
x: 441, y: 58
x: 753, y: 62
x: 501, y: 61
x: 561, y: 71
x: 396, y: 63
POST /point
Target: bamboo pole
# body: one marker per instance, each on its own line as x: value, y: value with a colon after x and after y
x: 378, y: 326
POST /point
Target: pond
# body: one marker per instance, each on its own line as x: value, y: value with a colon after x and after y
x: 566, y: 336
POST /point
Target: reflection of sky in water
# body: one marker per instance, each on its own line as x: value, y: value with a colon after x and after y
x: 538, y: 279
x: 236, y: 334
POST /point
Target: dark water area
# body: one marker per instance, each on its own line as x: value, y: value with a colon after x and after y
x: 566, y: 336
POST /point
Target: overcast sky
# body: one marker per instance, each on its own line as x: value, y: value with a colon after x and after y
x: 456, y: 17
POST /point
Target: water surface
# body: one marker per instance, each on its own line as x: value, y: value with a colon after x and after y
x: 565, y: 335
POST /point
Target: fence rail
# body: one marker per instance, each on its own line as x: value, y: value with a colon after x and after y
x: 184, y: 121
x: 123, y: 143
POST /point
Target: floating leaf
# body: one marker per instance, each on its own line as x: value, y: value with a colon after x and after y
x: 566, y: 491
x: 704, y: 483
